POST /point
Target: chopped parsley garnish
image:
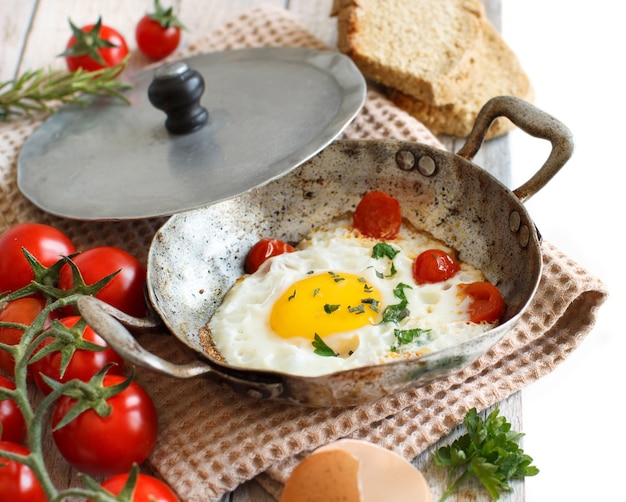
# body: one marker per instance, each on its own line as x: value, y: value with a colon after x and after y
x: 397, y: 312
x: 321, y: 349
x: 317, y: 290
x: 293, y: 295
x: 373, y: 303
x: 336, y: 277
x: 384, y: 250
x: 366, y: 287
x: 407, y: 336
x: 329, y: 309
x: 360, y: 309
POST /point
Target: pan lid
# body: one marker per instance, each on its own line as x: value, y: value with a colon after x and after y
x: 263, y: 112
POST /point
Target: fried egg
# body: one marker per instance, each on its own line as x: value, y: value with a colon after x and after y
x: 342, y: 301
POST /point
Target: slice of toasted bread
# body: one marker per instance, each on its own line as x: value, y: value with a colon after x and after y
x: 424, y: 48
x: 498, y: 73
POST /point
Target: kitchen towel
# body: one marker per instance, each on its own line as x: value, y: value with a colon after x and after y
x: 211, y: 439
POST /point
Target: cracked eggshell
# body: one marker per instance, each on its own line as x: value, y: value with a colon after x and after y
x: 332, y: 472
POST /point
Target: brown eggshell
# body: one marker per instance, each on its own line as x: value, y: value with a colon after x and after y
x: 355, y: 471
x: 329, y: 476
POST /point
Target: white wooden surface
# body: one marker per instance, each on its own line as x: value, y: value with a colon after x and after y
x: 34, y: 32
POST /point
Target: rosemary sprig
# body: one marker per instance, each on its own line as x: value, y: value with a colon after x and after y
x: 42, y: 90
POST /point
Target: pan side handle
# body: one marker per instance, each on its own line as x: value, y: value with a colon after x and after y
x: 531, y: 120
x: 104, y: 320
x: 109, y: 322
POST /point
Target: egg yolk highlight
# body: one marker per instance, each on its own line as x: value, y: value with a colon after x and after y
x: 325, y: 304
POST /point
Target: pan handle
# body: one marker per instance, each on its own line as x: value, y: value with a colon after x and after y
x: 531, y: 120
x: 107, y: 322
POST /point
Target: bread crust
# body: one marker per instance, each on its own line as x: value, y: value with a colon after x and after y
x: 427, y: 49
x: 499, y: 72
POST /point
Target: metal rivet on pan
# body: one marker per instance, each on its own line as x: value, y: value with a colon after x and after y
x: 405, y: 160
x: 426, y: 165
x: 524, y: 236
x: 515, y: 221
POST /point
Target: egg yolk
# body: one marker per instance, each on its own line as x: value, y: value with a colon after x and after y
x: 325, y: 304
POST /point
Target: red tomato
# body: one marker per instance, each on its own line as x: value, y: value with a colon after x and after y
x: 104, y: 446
x: 147, y: 489
x: 434, y: 265
x: 22, y: 311
x: 11, y: 419
x: 82, y: 366
x: 263, y: 250
x: 487, y: 302
x: 158, y: 34
x: 125, y: 291
x: 93, y: 47
x: 378, y: 215
x: 18, y: 482
x: 44, y: 242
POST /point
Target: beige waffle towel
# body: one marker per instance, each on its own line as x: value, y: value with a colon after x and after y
x: 211, y: 439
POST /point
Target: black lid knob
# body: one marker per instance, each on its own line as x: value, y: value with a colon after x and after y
x: 176, y: 89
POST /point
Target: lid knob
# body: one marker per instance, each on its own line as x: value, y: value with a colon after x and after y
x: 176, y: 89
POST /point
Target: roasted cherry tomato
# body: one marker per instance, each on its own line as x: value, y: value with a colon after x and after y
x: 84, y: 363
x: 263, y: 250
x: 487, y: 303
x: 93, y: 47
x: 147, y: 489
x: 105, y: 446
x: 125, y: 291
x: 378, y: 215
x: 21, y: 311
x: 18, y: 482
x: 158, y: 33
x: 434, y: 265
x: 11, y: 419
x: 47, y: 244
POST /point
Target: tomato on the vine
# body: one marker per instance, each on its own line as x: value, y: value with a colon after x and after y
x: 158, y: 33
x: 125, y: 291
x: 93, y: 47
x: 147, y: 489
x: 20, y: 311
x: 104, y: 446
x: 434, y: 265
x: 13, y: 427
x: 47, y: 244
x: 487, y: 303
x: 84, y: 363
x: 264, y: 250
x: 378, y: 215
x: 18, y: 482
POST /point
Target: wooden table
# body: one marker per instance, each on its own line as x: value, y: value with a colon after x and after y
x: 34, y: 32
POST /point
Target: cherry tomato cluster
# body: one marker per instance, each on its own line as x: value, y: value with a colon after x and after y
x: 113, y: 425
x: 97, y: 45
x: 379, y: 216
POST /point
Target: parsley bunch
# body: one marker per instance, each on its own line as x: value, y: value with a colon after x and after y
x: 489, y: 451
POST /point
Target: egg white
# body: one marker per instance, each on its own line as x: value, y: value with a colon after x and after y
x: 241, y: 331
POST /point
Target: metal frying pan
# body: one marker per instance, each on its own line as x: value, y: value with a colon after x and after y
x: 197, y: 255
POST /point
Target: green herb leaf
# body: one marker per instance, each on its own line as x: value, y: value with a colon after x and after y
x: 397, y: 312
x: 407, y: 336
x: 329, y: 309
x: 384, y: 250
x: 321, y: 349
x: 489, y: 452
x: 41, y: 91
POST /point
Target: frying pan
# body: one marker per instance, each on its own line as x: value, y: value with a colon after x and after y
x: 196, y: 256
